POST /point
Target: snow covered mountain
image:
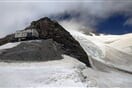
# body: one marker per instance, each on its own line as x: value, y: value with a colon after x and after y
x: 109, y: 55
x: 113, y: 51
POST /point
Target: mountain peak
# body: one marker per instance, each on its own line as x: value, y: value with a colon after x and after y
x: 48, y: 29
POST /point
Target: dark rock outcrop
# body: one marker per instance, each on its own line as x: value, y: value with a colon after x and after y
x: 49, y: 29
x: 6, y: 39
x: 41, y: 50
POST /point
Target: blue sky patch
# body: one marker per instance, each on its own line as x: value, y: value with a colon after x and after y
x: 114, y: 25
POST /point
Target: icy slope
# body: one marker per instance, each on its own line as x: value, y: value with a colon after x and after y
x: 124, y: 44
x: 103, y: 54
x: 9, y: 45
x: 64, y: 73
x: 59, y: 73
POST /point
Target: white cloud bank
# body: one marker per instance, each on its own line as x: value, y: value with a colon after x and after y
x: 15, y: 15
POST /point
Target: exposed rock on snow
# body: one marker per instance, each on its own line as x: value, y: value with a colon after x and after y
x: 42, y: 50
x: 6, y: 39
x: 49, y: 29
x: 52, y: 29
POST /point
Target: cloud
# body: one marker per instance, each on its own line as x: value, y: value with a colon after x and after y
x: 15, y: 15
x: 74, y: 25
x: 128, y: 22
x: 92, y: 11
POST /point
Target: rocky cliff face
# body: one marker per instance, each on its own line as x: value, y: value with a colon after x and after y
x: 49, y: 29
x: 6, y: 39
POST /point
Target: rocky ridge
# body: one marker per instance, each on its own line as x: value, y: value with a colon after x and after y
x: 49, y: 29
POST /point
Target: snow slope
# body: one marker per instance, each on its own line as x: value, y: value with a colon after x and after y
x: 64, y: 73
x: 59, y: 73
x: 110, y: 56
x: 9, y: 45
x: 106, y: 52
x: 124, y: 44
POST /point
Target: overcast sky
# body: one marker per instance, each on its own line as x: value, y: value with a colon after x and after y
x: 16, y: 15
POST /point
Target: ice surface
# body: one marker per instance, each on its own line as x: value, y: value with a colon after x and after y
x: 124, y: 44
x: 59, y: 73
x: 64, y: 73
x: 9, y: 45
